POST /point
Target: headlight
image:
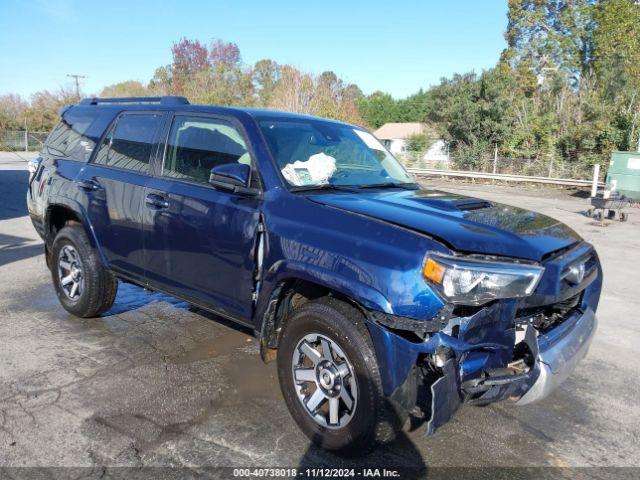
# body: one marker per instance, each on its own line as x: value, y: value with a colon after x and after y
x: 475, y: 282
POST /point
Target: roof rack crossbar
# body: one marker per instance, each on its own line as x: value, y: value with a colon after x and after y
x: 167, y: 100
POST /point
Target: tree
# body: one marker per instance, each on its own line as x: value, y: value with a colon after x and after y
x: 129, y: 88
x: 189, y: 57
x: 565, y: 92
x: 162, y: 81
x: 42, y: 112
x: 378, y: 108
x: 617, y: 44
x: 12, y: 108
x: 294, y: 92
x: 419, y: 142
x: 415, y: 108
x: 265, y: 76
x: 549, y: 35
x: 224, y: 53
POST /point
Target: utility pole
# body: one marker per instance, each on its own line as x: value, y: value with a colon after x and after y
x: 77, y: 80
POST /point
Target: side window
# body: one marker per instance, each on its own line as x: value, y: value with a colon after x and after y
x: 197, y: 144
x: 70, y: 136
x: 129, y: 142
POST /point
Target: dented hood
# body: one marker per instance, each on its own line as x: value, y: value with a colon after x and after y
x: 465, y: 224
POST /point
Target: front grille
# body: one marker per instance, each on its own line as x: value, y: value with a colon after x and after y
x: 545, y: 317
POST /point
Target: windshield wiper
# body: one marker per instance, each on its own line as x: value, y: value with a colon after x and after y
x: 325, y: 186
x: 406, y: 186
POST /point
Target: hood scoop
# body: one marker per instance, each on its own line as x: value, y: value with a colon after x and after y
x: 453, y: 203
x: 468, y: 204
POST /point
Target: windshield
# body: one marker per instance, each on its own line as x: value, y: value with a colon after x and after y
x: 312, y: 153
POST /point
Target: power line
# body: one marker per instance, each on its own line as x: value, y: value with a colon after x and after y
x: 77, y: 80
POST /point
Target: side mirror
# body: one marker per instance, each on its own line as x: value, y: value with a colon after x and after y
x: 232, y: 176
x: 236, y: 174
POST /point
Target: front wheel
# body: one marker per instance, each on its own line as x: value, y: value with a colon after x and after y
x: 330, y: 379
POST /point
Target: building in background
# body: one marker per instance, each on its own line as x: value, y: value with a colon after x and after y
x: 395, y: 137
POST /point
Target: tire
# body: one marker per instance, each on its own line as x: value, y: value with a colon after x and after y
x: 75, y: 262
x: 372, y: 419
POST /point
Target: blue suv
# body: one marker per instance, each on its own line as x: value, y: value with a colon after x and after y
x: 378, y: 299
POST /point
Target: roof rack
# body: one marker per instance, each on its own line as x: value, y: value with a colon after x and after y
x: 167, y: 100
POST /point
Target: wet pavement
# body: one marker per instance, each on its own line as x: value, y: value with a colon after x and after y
x: 155, y: 382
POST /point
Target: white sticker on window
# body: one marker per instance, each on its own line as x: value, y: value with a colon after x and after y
x: 369, y: 140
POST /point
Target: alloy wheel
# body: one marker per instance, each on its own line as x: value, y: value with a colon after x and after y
x: 324, y: 380
x: 70, y: 273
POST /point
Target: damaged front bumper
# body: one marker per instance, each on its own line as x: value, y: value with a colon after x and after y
x: 517, y: 349
x: 559, y: 351
x: 479, y: 373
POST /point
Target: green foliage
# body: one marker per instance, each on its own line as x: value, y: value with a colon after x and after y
x: 551, y: 34
x: 419, y: 143
x: 130, y: 88
x: 414, y: 108
x: 566, y: 90
x: 265, y: 77
x: 617, y: 44
x: 378, y: 108
x: 12, y: 108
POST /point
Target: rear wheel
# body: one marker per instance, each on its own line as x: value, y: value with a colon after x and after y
x: 84, y: 287
x: 330, y: 379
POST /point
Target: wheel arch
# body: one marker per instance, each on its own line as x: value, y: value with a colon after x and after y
x: 61, y: 213
x: 292, y: 291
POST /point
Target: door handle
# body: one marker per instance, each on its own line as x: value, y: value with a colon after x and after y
x: 89, y: 185
x: 156, y: 201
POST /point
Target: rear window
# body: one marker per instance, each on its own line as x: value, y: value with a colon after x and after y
x: 70, y: 137
x: 129, y: 143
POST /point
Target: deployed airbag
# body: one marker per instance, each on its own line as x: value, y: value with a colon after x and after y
x: 315, y: 171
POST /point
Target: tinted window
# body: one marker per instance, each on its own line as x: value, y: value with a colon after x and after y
x: 196, y: 145
x: 129, y: 142
x: 69, y: 138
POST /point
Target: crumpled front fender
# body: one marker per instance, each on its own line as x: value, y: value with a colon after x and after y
x: 485, y: 340
x: 556, y: 354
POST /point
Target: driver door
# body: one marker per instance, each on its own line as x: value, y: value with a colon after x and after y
x: 199, y: 241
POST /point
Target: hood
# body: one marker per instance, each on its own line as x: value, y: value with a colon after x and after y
x: 465, y: 224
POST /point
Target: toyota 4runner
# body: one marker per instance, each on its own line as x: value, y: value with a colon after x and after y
x: 378, y: 299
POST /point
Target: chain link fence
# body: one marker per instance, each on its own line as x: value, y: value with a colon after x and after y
x: 490, y: 163
x: 16, y: 140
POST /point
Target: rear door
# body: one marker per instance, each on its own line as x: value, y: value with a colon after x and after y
x: 114, y: 183
x: 200, y: 241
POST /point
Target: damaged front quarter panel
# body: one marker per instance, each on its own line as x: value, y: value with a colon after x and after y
x: 436, y: 366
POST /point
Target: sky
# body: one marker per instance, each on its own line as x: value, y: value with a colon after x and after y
x: 396, y: 47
